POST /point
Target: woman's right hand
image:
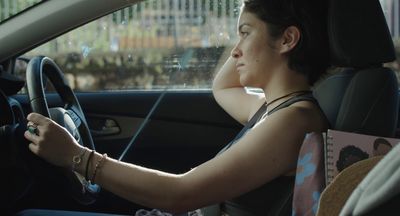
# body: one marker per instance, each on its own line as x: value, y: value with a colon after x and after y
x: 51, y: 142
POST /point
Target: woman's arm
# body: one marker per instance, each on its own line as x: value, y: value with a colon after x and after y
x: 232, y: 96
x: 263, y: 154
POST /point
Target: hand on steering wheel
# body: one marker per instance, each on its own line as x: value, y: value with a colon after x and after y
x: 52, y: 142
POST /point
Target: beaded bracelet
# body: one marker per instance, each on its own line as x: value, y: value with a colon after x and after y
x: 98, y: 166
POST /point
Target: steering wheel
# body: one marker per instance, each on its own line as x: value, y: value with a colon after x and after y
x: 70, y: 117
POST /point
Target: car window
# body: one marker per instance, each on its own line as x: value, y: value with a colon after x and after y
x: 157, y: 44
x: 10, y: 8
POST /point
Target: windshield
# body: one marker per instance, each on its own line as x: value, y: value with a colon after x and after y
x: 10, y: 8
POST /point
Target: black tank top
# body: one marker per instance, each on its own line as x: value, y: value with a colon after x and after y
x: 273, y: 198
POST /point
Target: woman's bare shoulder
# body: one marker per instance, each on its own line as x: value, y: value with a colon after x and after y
x: 257, y: 103
x: 308, y: 115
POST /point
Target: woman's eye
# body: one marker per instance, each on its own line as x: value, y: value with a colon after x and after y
x: 243, y: 34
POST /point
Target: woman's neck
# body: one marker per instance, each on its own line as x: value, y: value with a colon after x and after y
x: 284, y: 84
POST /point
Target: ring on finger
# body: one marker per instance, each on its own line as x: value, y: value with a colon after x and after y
x: 32, y: 128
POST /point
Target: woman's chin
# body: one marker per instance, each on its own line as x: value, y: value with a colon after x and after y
x: 247, y: 83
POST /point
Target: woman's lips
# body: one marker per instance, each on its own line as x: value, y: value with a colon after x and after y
x: 239, y: 66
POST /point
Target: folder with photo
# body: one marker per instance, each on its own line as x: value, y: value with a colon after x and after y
x: 343, y: 149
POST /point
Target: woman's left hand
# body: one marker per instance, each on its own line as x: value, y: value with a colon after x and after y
x: 50, y: 141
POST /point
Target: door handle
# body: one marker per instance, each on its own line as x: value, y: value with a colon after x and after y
x: 110, y: 127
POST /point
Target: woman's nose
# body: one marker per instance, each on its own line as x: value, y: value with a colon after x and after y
x: 236, y: 53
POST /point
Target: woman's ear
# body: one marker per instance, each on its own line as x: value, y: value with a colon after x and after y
x: 290, y: 39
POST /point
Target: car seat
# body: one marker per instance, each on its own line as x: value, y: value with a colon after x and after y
x: 363, y: 96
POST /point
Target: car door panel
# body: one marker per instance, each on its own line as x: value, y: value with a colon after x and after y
x: 186, y: 127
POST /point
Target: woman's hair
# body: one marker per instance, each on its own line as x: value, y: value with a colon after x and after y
x: 380, y: 141
x: 311, y: 55
x: 345, y: 161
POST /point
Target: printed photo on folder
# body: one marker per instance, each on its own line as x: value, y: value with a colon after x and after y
x: 343, y: 149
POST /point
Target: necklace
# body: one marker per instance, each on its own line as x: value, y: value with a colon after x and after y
x: 284, y: 96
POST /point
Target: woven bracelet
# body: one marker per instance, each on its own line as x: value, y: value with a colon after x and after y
x: 87, y: 165
x: 98, y: 166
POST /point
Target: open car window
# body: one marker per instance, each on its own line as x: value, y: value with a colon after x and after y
x: 155, y: 44
x: 174, y: 44
x: 10, y: 8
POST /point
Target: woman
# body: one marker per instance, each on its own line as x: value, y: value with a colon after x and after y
x: 282, y: 50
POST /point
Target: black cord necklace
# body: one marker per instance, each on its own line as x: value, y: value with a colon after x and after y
x: 284, y: 96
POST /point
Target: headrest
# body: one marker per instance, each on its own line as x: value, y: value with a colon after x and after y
x: 364, y: 101
x: 358, y: 34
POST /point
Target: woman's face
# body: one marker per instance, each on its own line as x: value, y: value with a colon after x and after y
x: 382, y: 149
x: 254, y: 53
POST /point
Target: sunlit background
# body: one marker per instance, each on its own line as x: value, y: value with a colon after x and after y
x: 156, y: 44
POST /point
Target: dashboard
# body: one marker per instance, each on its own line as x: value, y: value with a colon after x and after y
x: 14, y: 147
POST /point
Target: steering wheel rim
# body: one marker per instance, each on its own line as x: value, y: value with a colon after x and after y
x: 71, y: 117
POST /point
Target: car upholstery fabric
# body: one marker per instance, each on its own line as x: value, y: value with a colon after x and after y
x: 362, y: 98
